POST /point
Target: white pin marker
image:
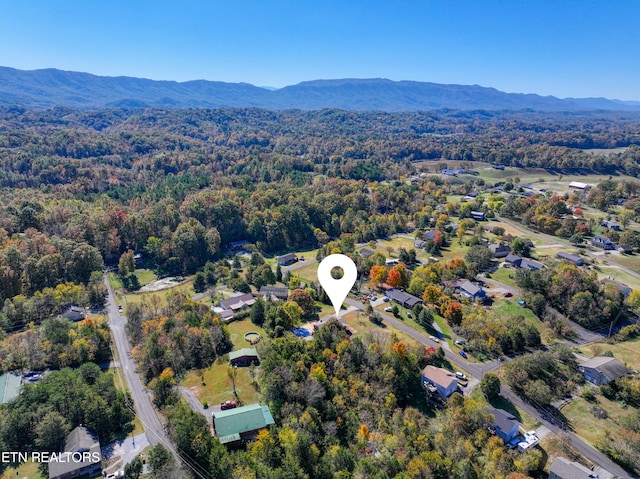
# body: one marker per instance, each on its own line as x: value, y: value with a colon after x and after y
x: 337, y: 289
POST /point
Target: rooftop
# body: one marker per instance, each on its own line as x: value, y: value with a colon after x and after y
x: 502, y: 419
x: 611, y: 368
x: 231, y: 423
x: 80, y: 439
x: 566, y: 469
x: 243, y: 352
x: 439, y: 376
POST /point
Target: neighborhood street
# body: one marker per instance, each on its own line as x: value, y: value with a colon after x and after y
x: 142, y: 404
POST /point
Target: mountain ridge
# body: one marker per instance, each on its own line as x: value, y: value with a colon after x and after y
x: 50, y: 87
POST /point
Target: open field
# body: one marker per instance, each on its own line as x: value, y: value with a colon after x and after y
x: 362, y: 325
x: 586, y: 425
x: 215, y: 386
x: 605, y: 151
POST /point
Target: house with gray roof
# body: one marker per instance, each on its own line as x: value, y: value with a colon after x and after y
x: 287, y: 259
x: 74, y: 313
x: 404, y: 299
x: 444, y: 382
x: 469, y: 290
x: 275, y: 292
x: 504, y: 424
x: 624, y: 289
x: 88, y: 463
x: 570, y: 257
x: 500, y: 250
x: 602, y: 370
x: 367, y: 252
x: 602, y: 242
x: 236, y: 303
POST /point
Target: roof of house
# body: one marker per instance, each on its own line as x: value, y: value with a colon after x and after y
x: 530, y: 264
x: 511, y: 258
x: 602, y: 239
x: 439, y: 376
x: 278, y: 291
x: 578, y: 184
x: 610, y: 368
x: 242, y: 353
x: 402, y: 297
x: 477, y: 213
x: 238, y: 302
x: 499, y: 247
x: 231, y: 423
x: 73, y: 313
x: 502, y: 419
x: 469, y: 287
x: 80, y: 439
x: 431, y: 234
x: 366, y: 252
x: 569, y: 256
x: 566, y: 469
x: 287, y: 256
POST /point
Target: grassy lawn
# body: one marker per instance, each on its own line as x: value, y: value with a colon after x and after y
x: 237, y: 330
x: 308, y: 273
x: 506, y: 276
x: 361, y: 324
x: 619, y: 275
x: 586, y: 425
x: 145, y: 276
x: 121, y: 385
x: 26, y: 469
x: 528, y: 422
x: 185, y: 288
x: 454, y: 250
x: 217, y: 385
x: 395, y: 244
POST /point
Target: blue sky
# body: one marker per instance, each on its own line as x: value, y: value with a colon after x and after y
x: 563, y: 48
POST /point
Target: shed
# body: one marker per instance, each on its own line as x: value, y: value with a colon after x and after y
x: 287, y: 259
x: 570, y: 257
x: 244, y: 357
x: 242, y: 423
x: 602, y: 370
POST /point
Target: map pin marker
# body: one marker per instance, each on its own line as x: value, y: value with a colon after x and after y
x: 337, y: 289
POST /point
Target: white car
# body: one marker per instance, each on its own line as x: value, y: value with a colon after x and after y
x: 459, y: 375
x: 433, y: 338
x: 388, y: 309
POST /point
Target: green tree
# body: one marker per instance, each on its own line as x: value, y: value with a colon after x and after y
x: 133, y: 470
x: 51, y: 431
x: 199, y: 282
x: 490, y: 386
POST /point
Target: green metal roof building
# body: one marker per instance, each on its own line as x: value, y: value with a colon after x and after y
x: 241, y: 423
x: 243, y: 356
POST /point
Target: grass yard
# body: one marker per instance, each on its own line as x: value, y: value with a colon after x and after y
x: 237, y: 330
x: 506, y: 276
x: 586, y: 425
x: 308, y: 273
x: 27, y: 469
x: 361, y: 324
x: 619, y: 275
x: 129, y: 298
x: 215, y: 386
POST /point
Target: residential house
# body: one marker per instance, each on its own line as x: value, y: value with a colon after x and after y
x: 88, y: 463
x: 442, y: 380
x: 531, y: 264
x: 431, y: 235
x: 244, y: 357
x: 602, y: 370
x: 275, y: 292
x: 577, y: 185
x: 236, y: 303
x: 526, y: 186
x: 504, y: 424
x: 233, y: 426
x: 562, y: 468
x: 367, y: 252
x: 498, y: 167
x: 500, y: 250
x: 287, y: 259
x: 477, y: 215
x: 625, y: 248
x: 420, y: 244
x: 602, y: 242
x: 74, y: 313
x: 225, y: 314
x: 459, y: 171
x: 470, y: 290
x: 513, y: 260
x: 624, y: 289
x: 610, y: 225
x: 404, y: 299
x: 570, y: 257
x: 448, y: 172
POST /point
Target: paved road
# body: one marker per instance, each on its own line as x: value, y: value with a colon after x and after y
x: 154, y: 429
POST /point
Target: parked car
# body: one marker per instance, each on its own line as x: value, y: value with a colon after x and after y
x: 120, y: 308
x: 388, y: 309
x: 228, y: 405
x: 459, y: 342
x: 409, y: 315
x: 433, y: 338
x: 508, y: 294
x: 385, y: 299
x: 460, y: 375
x: 463, y: 354
x: 374, y: 298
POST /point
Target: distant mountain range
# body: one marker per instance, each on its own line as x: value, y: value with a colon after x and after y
x: 51, y: 88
